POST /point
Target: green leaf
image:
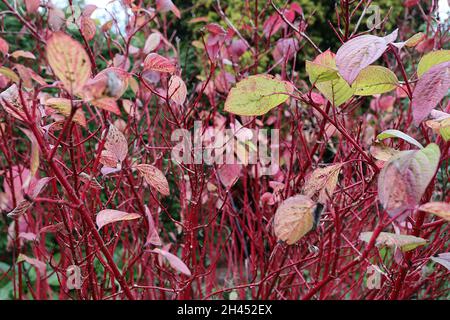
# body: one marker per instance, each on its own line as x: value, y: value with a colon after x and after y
x: 375, y: 80
x: 386, y: 239
x: 322, y: 73
x: 11, y: 75
x: 392, y: 133
x: 431, y: 59
x: 257, y: 95
x: 444, y: 129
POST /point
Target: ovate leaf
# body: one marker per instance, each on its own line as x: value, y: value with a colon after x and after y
x: 107, y: 216
x: 174, y: 261
x: 440, y: 209
x: 382, y: 152
x: 431, y: 59
x: 405, y: 177
x: 69, y: 61
x: 155, y: 62
x: 429, y: 90
x: 177, y: 90
x: 257, y: 95
x: 294, y: 218
x: 154, y: 177
x: 375, y: 80
x: 443, y: 259
x: 322, y: 181
x: 386, y: 239
x: 39, y: 265
x: 358, y: 53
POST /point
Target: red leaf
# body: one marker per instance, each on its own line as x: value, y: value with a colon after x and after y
x: 155, y: 62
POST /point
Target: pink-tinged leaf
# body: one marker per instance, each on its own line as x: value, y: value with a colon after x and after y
x: 155, y: 62
x: 108, y: 104
x: 39, y: 265
x: 91, y: 181
x: 88, y: 28
x: 69, y: 61
x: 22, y: 54
x: 404, y: 179
x: 52, y: 228
x: 154, y: 177
x: 443, y: 259
x: 358, y: 53
x: 166, y: 6
x: 268, y: 198
x: 440, y: 209
x: 89, y: 10
x: 116, y: 143
x: 20, y: 209
x: 37, y: 186
x: 32, y: 5
x: 174, y: 261
x: 323, y: 181
x: 429, y: 90
x: 107, y: 170
x: 229, y: 174
x: 4, y: 46
x: 56, y: 18
x: 108, y: 216
x: 152, y: 235
x: 64, y: 106
x: 34, y: 152
x: 11, y: 102
x: 110, y: 83
x: 29, y: 236
x: 386, y: 239
x: 177, y: 90
x: 152, y: 42
x: 294, y: 218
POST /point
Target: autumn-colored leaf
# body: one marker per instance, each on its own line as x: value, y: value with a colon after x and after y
x: 440, y: 209
x: 358, y: 53
x: 20, y: 209
x: 392, y: 133
x: 32, y: 5
x: 64, y: 106
x: 386, y: 239
x: 152, y: 235
x: 155, y: 62
x: 87, y: 27
x: 152, y: 43
x: 22, y: 54
x: 431, y: 59
x: 177, y: 91
x: 11, y: 102
x: 382, y: 152
x: 229, y: 174
x: 404, y: 178
x: 154, y: 177
x: 174, y: 261
x: 116, y: 148
x: 294, y: 218
x: 322, y: 181
x: 166, y: 6
x: 69, y: 61
x: 108, y: 216
x: 4, y: 46
x: 430, y: 89
x: 257, y: 95
x: 39, y: 265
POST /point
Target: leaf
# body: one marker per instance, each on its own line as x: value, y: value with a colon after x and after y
x: 152, y: 235
x: 116, y: 147
x: 108, y: 216
x: 415, y: 40
x: 152, y: 43
x: 22, y: 54
x: 177, y: 90
x: 64, y: 106
x: 10, y: 74
x: 431, y: 59
x: 330, y: 84
x: 155, y: 62
x: 443, y: 259
x: 257, y: 95
x: 324, y: 181
x: 87, y: 27
x: 444, y: 129
x: 32, y: 5
x: 4, y: 46
x: 405, y: 177
x: 429, y: 90
x: 386, y: 239
x: 69, y: 61
x: 382, y: 152
x: 34, y: 157
x: 323, y: 68
x: 174, y: 261
x: 166, y: 6
x: 154, y: 177
x: 294, y: 218
x: 375, y: 80
x: 229, y: 174
x: 108, y: 104
x: 392, y: 133
x: 358, y: 53
x: 20, y: 209
x: 39, y: 265
x: 440, y: 209
x: 11, y: 102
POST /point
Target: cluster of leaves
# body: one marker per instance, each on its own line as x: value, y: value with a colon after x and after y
x: 88, y: 177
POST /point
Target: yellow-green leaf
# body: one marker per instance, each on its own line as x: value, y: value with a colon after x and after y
x: 11, y: 75
x: 440, y: 209
x: 431, y: 59
x: 257, y: 95
x: 69, y: 61
x: 444, y: 129
x: 386, y: 239
x: 375, y: 80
